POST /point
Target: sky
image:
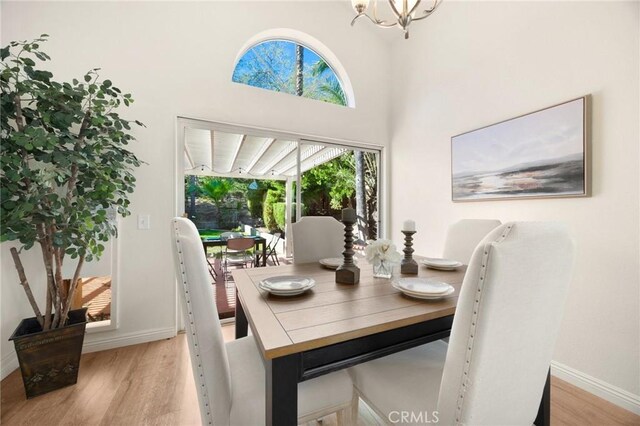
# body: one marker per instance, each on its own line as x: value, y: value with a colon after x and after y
x: 547, y: 134
x: 283, y: 66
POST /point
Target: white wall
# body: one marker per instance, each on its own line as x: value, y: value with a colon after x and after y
x: 177, y: 59
x: 467, y: 66
x: 476, y: 63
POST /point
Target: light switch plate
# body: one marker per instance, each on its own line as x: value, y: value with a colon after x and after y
x: 144, y: 221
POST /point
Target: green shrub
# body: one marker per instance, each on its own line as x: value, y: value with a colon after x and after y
x: 254, y: 202
x: 279, y: 210
x: 270, y: 199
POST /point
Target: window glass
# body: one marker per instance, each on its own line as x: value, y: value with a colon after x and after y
x: 289, y: 67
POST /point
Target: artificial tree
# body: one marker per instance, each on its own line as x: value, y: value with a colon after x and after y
x: 66, y: 171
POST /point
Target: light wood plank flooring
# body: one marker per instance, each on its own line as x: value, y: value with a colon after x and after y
x: 151, y: 384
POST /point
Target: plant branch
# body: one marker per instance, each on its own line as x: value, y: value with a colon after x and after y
x: 19, y: 116
x: 25, y: 285
x: 58, y: 284
x: 47, y: 257
x: 72, y: 290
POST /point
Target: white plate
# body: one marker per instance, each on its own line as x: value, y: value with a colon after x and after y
x: 288, y: 285
x: 424, y: 296
x: 423, y: 286
x: 285, y: 294
x: 333, y: 262
x: 442, y: 264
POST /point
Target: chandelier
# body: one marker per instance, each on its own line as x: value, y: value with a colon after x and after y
x: 405, y: 11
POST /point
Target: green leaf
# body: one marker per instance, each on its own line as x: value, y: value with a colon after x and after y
x: 53, y: 113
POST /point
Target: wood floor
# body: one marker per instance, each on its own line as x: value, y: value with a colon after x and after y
x: 151, y: 384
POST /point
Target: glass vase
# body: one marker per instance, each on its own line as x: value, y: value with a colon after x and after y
x: 382, y: 270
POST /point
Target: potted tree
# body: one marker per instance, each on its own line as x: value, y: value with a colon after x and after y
x: 66, y: 173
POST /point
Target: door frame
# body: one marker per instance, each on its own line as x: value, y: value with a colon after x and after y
x: 183, y: 122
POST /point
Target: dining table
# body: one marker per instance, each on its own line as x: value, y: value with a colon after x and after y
x: 261, y: 247
x: 335, y: 326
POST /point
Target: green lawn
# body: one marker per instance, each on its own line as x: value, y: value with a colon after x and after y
x: 211, y: 233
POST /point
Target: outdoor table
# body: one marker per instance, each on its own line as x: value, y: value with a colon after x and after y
x: 261, y: 243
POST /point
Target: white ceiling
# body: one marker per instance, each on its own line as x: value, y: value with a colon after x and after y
x: 214, y: 153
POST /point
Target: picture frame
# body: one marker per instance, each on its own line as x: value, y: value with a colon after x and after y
x: 541, y: 154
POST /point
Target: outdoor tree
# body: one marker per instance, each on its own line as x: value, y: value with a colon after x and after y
x: 288, y: 67
x: 191, y: 191
x: 216, y: 189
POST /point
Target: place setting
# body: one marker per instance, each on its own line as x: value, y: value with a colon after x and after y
x: 334, y: 262
x: 287, y: 285
x: 423, y: 288
x: 440, y: 264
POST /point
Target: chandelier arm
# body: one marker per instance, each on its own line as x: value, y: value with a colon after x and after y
x: 428, y: 12
x: 375, y: 21
x: 359, y: 15
x: 415, y: 6
x: 394, y: 8
x: 383, y: 24
x: 375, y: 12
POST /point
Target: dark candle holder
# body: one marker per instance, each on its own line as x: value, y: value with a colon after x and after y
x: 348, y: 272
x: 408, y: 264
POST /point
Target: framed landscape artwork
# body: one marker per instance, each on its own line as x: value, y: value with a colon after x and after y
x: 540, y: 154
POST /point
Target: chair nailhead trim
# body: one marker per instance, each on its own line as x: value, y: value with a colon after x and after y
x: 194, y: 337
x: 466, y: 381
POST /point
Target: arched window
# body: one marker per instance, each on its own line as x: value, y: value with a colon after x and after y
x: 288, y: 66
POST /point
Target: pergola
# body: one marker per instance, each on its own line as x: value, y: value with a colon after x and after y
x: 215, y: 153
x: 231, y: 155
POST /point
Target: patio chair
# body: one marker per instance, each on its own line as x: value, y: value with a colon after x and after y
x: 271, y: 249
x: 238, y: 253
x: 230, y: 377
x: 212, y: 268
x: 230, y: 234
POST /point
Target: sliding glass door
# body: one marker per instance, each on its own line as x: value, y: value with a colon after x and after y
x: 333, y: 177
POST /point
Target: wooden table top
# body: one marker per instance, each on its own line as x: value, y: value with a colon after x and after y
x: 332, y: 313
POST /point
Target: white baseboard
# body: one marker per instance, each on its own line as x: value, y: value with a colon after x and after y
x: 606, y: 391
x: 9, y: 364
x: 128, y: 339
x: 10, y: 361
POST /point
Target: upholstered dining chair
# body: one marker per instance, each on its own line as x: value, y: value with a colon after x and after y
x: 507, y: 318
x: 463, y: 237
x: 317, y: 237
x: 230, y: 378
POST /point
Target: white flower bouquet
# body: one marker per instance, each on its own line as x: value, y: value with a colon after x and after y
x: 382, y: 254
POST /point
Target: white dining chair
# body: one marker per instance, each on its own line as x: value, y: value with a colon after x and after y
x: 230, y: 378
x: 463, y: 237
x: 507, y: 319
x: 317, y: 237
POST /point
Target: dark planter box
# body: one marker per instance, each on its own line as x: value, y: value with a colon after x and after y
x: 49, y: 360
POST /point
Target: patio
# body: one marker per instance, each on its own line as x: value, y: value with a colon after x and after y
x: 225, y: 291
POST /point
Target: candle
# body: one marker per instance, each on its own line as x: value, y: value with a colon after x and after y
x: 349, y: 215
x: 409, y: 225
